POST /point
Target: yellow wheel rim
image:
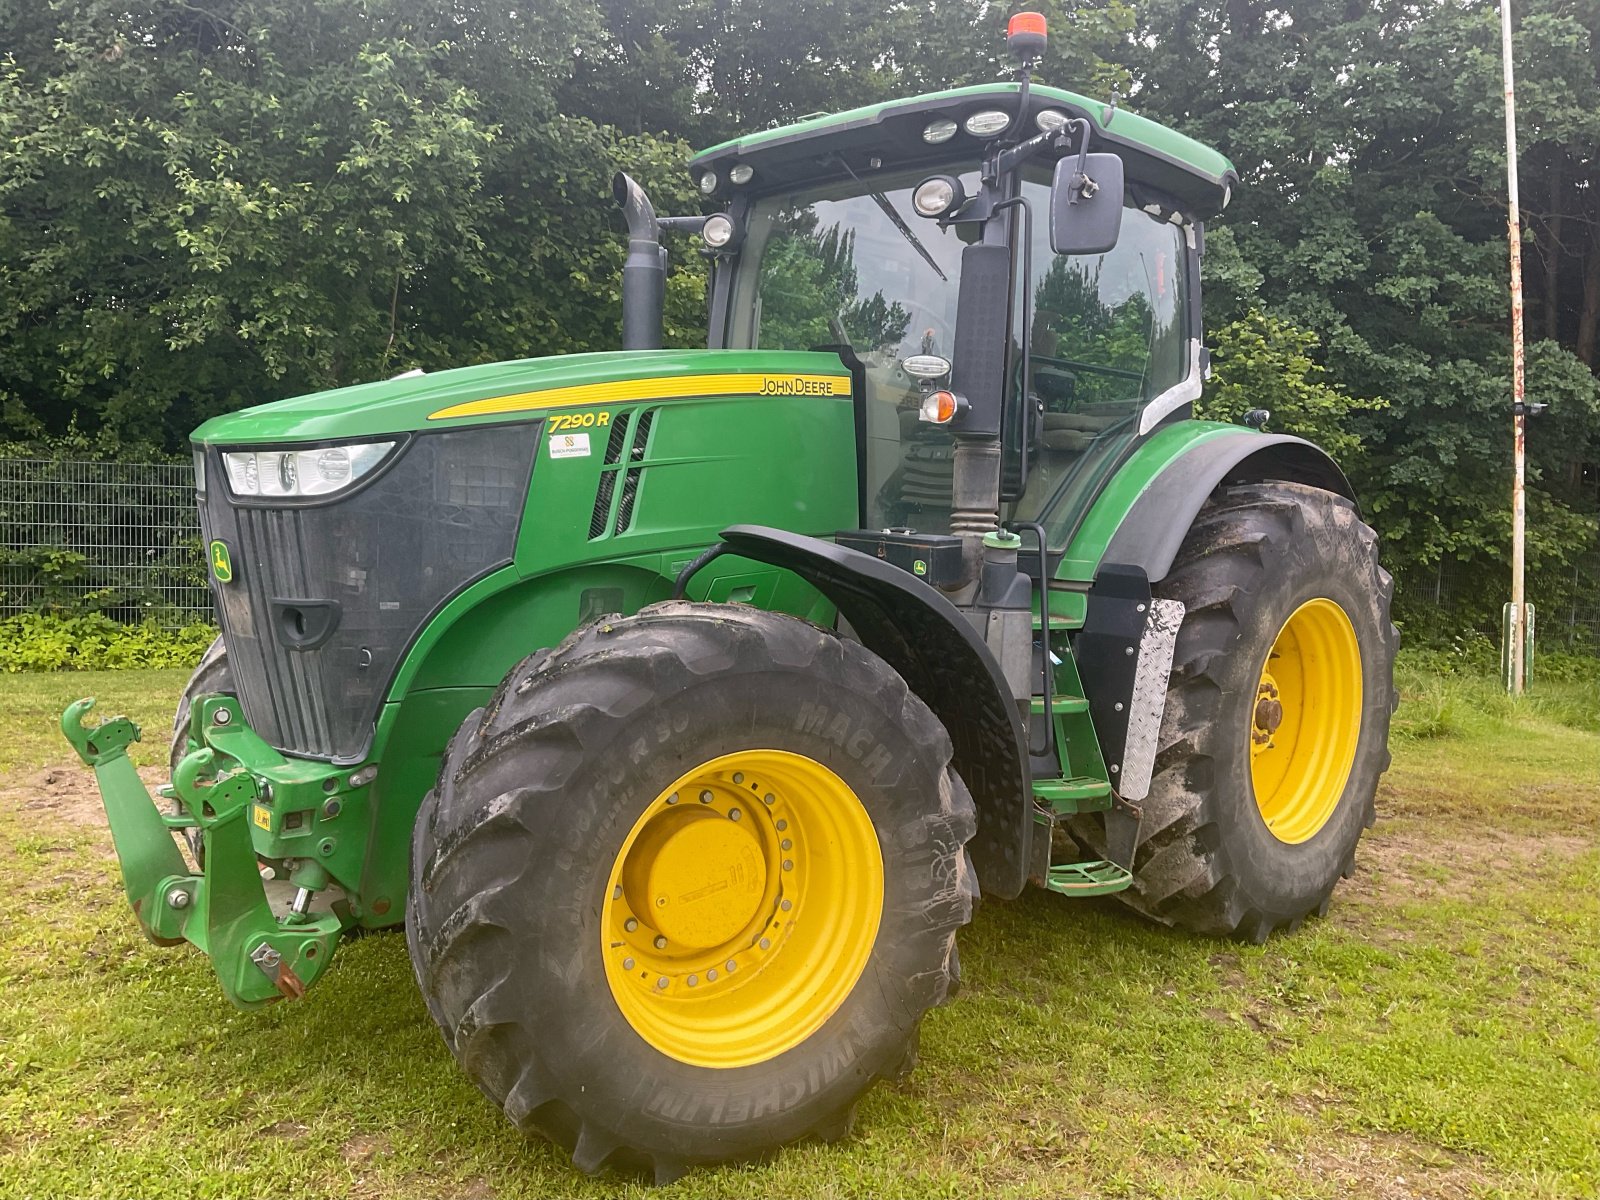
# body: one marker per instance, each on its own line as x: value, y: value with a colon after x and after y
x: 1306, y: 720
x: 742, y: 908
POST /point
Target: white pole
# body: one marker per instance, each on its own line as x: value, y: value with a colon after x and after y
x: 1519, y: 622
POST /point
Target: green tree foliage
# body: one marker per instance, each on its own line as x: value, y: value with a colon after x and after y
x: 1370, y: 140
x: 203, y: 207
x: 209, y: 207
x: 1260, y: 360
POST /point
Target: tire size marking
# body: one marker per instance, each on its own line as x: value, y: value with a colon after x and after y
x: 579, y: 420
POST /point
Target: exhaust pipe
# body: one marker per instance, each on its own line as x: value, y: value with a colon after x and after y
x: 644, y: 273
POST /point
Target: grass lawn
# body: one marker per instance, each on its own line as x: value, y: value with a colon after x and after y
x: 1437, y: 1035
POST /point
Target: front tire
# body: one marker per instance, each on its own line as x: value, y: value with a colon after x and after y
x: 688, y: 884
x: 211, y: 675
x: 1277, y: 718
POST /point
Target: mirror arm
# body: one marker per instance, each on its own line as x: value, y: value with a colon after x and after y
x: 1082, y: 187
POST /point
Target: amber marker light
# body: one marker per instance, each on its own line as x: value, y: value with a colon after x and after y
x: 940, y: 407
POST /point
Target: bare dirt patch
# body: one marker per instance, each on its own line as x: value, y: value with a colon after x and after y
x: 1392, y: 1167
x: 1396, y: 866
x: 363, y: 1148
x: 65, y: 792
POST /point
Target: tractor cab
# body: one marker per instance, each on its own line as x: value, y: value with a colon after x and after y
x: 1006, y: 266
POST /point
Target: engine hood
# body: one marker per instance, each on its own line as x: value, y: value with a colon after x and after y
x: 525, y: 389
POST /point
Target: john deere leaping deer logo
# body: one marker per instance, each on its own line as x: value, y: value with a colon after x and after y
x: 221, y: 562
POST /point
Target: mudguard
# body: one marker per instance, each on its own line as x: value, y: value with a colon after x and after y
x: 940, y: 656
x: 1149, y: 535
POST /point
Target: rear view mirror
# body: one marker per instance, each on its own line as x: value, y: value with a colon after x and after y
x: 1086, y: 204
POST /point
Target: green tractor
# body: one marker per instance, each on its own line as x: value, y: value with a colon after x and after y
x: 681, y: 703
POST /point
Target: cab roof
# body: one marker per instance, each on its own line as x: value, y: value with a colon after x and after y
x: 838, y: 144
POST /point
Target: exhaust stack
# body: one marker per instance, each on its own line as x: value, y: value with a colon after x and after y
x: 644, y: 273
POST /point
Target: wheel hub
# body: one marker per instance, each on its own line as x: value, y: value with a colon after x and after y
x: 697, y: 876
x: 704, y: 950
x: 1306, y: 721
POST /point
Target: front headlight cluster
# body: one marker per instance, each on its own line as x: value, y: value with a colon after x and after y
x: 294, y: 474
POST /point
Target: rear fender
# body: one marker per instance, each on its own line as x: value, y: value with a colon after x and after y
x: 1154, y: 526
x: 926, y: 639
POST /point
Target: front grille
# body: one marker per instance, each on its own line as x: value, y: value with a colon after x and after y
x: 285, y: 689
x: 383, y: 559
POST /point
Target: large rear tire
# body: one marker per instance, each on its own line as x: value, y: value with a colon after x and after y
x: 688, y: 884
x: 1277, y: 719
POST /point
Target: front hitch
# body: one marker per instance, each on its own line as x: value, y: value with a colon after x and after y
x: 258, y: 956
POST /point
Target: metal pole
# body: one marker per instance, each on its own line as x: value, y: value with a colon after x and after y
x: 1519, y: 418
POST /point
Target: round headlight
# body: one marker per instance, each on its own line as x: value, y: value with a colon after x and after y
x: 938, y: 131
x: 717, y: 232
x: 1050, y: 119
x: 742, y: 173
x: 708, y: 183
x: 987, y: 122
x: 938, y: 196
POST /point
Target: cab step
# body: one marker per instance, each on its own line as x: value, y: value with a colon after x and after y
x: 1088, y: 879
x: 1060, y: 704
x: 1071, y: 795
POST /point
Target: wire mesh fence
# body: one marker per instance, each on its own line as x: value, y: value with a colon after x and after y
x: 124, y: 539
x: 113, y: 537
x: 1443, y: 601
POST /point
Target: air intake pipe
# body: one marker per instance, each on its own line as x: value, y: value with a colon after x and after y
x: 644, y: 274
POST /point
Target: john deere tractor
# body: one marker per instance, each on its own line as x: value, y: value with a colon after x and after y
x: 681, y: 703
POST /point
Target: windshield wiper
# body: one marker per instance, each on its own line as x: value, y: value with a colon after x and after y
x: 899, y: 222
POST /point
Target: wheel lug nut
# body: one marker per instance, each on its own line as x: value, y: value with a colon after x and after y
x: 734, y: 814
x: 672, y: 799
x: 661, y: 942
x: 782, y: 825
x: 693, y: 980
x: 788, y: 864
x: 616, y: 892
x: 711, y: 975
x: 705, y: 797
x: 738, y: 776
x: 786, y: 844
x: 627, y: 964
x: 731, y: 965
x: 766, y: 943
x: 630, y: 924
x: 661, y: 983
x: 786, y: 905
x: 768, y: 798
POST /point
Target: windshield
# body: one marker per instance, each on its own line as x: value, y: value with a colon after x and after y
x: 837, y: 265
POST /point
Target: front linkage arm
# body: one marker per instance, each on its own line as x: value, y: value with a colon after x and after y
x: 223, y: 910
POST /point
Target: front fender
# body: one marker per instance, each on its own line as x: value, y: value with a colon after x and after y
x: 943, y: 660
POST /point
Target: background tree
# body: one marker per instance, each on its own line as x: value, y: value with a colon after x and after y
x: 206, y: 208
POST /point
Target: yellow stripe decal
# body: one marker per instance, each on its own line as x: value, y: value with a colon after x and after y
x: 671, y: 387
